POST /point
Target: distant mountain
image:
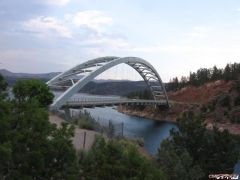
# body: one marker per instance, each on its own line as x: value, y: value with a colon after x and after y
x: 101, y: 87
x: 121, y: 88
x: 13, y: 77
x: 7, y: 73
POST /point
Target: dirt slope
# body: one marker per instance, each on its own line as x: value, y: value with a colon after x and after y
x: 201, y: 94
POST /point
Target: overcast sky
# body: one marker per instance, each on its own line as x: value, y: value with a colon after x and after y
x: 174, y: 36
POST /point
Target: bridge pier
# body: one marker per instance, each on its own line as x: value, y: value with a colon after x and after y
x: 67, y: 113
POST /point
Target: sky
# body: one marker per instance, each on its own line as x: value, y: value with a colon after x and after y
x: 176, y: 37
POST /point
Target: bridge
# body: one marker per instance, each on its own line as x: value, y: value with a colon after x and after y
x: 76, y: 104
x: 74, y: 79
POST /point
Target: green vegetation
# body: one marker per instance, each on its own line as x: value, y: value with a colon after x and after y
x: 224, y: 100
x: 193, y: 152
x: 146, y: 94
x: 204, y: 75
x: 225, y: 106
x: 237, y: 101
x: 32, y: 148
x: 25, y: 90
x: 118, y: 160
x: 85, y: 121
x: 3, y: 84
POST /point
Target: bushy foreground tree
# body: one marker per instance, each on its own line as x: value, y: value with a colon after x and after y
x: 3, y: 84
x: 194, y: 152
x: 31, y: 147
x: 118, y: 160
x: 25, y: 90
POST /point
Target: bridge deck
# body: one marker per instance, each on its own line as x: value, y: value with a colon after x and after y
x: 97, y: 103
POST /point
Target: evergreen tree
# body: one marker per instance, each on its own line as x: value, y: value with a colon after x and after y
x: 25, y: 90
x: 208, y: 152
x: 31, y: 147
x: 118, y: 160
x: 3, y: 84
x: 227, y: 73
x: 216, y: 74
x: 193, y: 79
x: 204, y: 75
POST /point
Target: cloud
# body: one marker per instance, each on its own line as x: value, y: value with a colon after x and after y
x: 54, y: 2
x: 92, y: 19
x: 86, y: 28
x: 47, y: 26
x: 198, y: 31
x: 88, y: 22
x: 188, y: 50
x: 108, y: 42
x: 25, y: 60
x: 238, y: 9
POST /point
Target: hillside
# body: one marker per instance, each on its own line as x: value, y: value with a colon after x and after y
x: 11, y: 77
x: 201, y: 94
x: 218, y: 101
x: 100, y: 87
x: 120, y: 88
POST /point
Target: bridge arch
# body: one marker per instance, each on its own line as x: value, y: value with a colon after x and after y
x: 98, y: 66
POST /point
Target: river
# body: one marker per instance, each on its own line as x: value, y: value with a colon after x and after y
x: 151, y: 131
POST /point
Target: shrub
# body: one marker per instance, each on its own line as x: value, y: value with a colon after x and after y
x: 118, y: 160
x: 225, y: 101
x: 204, y: 108
x: 86, y: 121
x: 194, y: 150
x: 225, y: 113
x: 235, y: 116
x: 237, y: 101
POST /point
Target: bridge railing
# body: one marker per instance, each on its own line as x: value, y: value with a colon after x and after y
x: 104, y: 101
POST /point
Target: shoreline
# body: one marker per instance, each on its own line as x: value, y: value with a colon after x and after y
x: 172, y: 118
x: 134, y: 114
x: 161, y: 116
x: 78, y: 139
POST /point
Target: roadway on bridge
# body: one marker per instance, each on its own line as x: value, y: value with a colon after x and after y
x: 112, y: 102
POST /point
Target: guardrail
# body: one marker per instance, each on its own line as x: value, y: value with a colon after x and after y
x: 79, y: 102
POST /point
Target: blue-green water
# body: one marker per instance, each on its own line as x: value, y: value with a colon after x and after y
x: 153, y: 132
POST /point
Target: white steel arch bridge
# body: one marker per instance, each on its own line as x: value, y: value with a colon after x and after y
x: 77, y: 77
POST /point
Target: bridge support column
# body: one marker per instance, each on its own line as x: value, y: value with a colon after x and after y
x: 67, y: 113
x: 162, y: 107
